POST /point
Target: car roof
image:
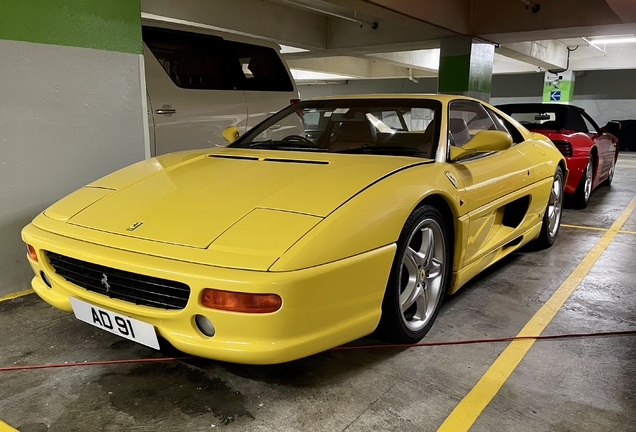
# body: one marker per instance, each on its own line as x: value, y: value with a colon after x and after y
x: 444, y: 98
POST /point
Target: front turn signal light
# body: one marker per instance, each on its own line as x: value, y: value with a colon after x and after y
x: 32, y: 253
x: 240, y: 302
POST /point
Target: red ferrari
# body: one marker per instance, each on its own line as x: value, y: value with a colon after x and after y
x: 590, y: 153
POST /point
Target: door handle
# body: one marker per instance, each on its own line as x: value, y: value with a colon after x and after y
x: 165, y: 111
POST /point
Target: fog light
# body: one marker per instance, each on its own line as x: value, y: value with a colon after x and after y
x: 240, y: 302
x: 205, y: 325
x: 46, y: 280
x: 32, y: 254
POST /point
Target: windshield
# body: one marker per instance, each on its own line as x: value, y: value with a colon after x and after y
x: 538, y: 116
x: 404, y: 127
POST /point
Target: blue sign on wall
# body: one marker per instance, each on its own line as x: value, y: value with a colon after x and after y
x: 555, y: 95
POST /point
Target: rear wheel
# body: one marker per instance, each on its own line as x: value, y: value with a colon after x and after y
x: 581, y: 195
x: 552, y: 216
x: 419, y: 277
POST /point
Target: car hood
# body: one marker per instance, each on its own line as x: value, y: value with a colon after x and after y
x: 273, y: 196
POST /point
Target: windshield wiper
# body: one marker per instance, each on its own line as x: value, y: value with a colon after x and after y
x: 282, y: 145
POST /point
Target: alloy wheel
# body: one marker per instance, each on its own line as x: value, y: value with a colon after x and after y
x: 422, y: 274
x: 589, y: 175
x: 555, y: 206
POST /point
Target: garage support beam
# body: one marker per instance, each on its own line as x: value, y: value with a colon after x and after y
x: 547, y: 54
x: 357, y: 67
x: 465, y: 67
x: 420, y: 59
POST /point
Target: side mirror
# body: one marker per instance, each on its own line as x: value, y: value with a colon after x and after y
x: 484, y: 141
x: 613, y: 126
x: 230, y: 133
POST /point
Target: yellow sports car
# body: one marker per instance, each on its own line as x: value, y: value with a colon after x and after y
x: 331, y: 219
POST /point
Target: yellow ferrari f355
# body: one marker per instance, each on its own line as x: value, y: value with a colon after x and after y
x: 330, y: 220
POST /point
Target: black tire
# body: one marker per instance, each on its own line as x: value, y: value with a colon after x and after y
x: 395, y: 325
x: 549, y: 233
x: 581, y: 196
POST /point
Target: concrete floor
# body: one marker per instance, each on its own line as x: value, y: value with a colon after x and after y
x: 560, y: 385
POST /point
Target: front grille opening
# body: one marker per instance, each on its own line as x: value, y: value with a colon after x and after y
x: 119, y: 284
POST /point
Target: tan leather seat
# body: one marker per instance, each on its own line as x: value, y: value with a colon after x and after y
x: 459, y: 131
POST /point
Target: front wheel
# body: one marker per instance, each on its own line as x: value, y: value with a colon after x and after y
x: 552, y: 216
x: 419, y: 277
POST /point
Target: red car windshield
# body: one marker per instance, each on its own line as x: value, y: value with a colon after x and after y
x: 546, y: 116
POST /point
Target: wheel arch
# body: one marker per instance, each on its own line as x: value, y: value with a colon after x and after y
x: 441, y: 203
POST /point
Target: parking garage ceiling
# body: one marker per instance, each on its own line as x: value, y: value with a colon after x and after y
x: 367, y: 39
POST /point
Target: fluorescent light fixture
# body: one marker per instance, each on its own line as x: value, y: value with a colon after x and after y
x: 613, y: 39
x: 286, y: 49
x: 303, y: 75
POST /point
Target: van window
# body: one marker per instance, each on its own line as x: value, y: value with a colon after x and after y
x: 192, y: 61
x: 261, y: 68
x: 205, y: 62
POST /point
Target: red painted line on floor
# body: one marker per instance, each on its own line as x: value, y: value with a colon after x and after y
x: 340, y: 348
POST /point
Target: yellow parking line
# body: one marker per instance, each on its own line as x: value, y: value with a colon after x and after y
x: 6, y: 428
x: 469, y: 408
x: 583, y: 227
x: 15, y: 295
x: 595, y: 228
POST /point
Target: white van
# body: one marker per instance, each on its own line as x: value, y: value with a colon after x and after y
x: 200, y: 84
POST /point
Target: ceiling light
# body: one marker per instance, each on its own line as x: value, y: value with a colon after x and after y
x: 614, y: 40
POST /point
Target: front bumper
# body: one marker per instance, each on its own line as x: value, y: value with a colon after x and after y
x: 323, y: 306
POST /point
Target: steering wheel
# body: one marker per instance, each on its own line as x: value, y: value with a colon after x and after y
x: 299, y: 138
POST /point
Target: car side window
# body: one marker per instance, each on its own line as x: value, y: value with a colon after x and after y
x: 505, y: 126
x: 591, y: 126
x: 466, y: 118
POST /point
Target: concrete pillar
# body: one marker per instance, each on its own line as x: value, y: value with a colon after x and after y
x: 465, y: 67
x: 71, y: 84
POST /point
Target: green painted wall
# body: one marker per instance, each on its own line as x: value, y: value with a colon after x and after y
x: 112, y: 25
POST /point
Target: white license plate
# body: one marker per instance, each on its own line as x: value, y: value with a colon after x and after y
x: 121, y: 325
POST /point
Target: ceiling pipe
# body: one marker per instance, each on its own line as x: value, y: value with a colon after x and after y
x: 374, y: 25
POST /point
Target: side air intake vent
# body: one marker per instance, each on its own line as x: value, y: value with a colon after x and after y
x: 515, y: 212
x: 564, y: 147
